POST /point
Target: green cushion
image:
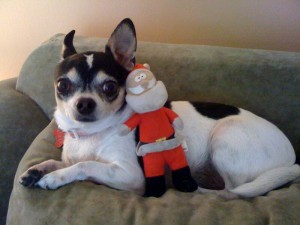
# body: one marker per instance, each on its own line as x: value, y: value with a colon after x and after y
x: 88, y: 203
x: 17, y: 130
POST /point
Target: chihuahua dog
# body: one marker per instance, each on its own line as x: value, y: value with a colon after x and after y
x: 246, y: 155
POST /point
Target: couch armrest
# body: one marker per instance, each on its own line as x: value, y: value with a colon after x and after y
x: 20, y: 122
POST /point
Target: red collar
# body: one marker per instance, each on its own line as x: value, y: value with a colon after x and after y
x: 76, y: 135
x: 60, y: 136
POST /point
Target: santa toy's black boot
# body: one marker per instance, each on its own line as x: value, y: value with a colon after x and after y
x: 155, y: 186
x: 183, y: 181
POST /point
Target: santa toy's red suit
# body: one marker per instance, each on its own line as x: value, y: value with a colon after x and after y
x: 155, y: 127
x: 158, y: 145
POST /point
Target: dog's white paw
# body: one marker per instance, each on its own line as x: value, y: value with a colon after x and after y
x: 51, y: 181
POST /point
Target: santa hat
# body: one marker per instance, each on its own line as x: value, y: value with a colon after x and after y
x: 144, y: 66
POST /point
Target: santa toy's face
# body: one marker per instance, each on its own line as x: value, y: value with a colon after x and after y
x: 139, y: 82
x: 144, y: 92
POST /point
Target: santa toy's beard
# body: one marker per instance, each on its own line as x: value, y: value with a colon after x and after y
x: 150, y: 100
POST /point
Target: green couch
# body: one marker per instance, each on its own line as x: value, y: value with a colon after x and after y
x: 264, y: 82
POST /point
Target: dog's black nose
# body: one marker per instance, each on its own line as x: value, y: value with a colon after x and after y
x: 85, y: 106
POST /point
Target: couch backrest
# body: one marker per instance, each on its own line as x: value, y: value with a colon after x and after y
x: 264, y: 82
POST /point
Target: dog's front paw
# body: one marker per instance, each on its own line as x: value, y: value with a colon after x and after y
x: 50, y: 181
x: 30, y: 177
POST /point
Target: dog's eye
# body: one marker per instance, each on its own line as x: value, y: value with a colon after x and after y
x: 110, y: 88
x: 63, y: 85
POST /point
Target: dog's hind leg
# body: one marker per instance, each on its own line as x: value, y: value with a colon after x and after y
x: 30, y: 177
x: 262, y: 184
x: 268, y: 181
x: 252, y: 155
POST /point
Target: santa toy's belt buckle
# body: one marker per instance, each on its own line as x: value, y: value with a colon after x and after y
x: 161, y: 139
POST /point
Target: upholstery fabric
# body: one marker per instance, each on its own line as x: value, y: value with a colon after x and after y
x: 20, y: 122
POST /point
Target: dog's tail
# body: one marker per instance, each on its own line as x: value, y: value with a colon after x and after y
x: 268, y: 181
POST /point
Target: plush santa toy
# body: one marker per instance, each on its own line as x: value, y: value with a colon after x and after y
x: 158, y: 145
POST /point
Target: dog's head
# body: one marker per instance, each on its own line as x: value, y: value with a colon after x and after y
x: 90, y: 86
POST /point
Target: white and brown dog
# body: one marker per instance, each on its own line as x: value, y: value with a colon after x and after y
x: 248, y: 154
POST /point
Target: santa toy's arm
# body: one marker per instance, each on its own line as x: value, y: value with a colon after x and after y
x: 129, y: 125
x: 174, y: 119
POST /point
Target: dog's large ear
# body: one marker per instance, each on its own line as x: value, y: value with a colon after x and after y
x: 68, y: 47
x: 122, y: 44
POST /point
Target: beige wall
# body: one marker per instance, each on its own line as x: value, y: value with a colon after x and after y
x: 264, y: 24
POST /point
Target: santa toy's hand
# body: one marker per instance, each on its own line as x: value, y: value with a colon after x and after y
x: 178, y: 124
x: 123, y: 130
